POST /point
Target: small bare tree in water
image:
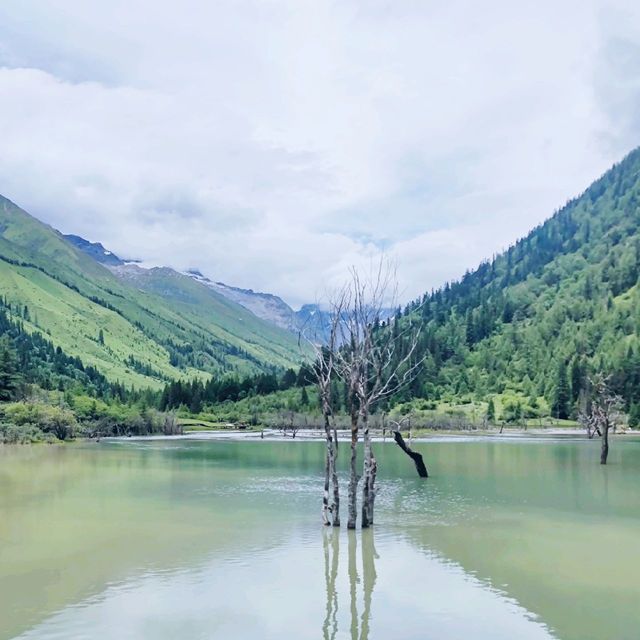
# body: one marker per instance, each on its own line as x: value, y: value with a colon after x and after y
x: 324, y: 372
x: 601, y: 411
x: 374, y: 361
x: 414, y: 455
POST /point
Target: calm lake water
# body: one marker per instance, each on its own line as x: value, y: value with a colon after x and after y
x: 166, y: 539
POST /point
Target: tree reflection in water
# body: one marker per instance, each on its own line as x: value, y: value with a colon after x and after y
x: 368, y: 579
x: 331, y: 545
x: 359, y: 625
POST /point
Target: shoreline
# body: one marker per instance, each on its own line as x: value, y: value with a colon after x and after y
x: 310, y: 435
x: 344, y: 435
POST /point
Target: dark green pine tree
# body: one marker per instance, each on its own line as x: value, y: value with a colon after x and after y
x: 195, y: 406
x: 561, y: 393
x: 491, y: 411
x: 9, y: 376
x: 577, y: 378
x: 304, y: 397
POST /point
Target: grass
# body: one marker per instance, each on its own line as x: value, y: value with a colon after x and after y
x: 73, y: 323
x: 71, y: 298
x: 198, y: 424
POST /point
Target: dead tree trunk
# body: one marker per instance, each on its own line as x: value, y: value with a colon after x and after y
x: 353, y: 477
x: 330, y: 503
x: 604, y: 451
x: 334, y: 480
x: 324, y: 372
x: 366, y: 475
x: 326, y: 510
x: 372, y: 488
x: 601, y: 412
x: 414, y: 455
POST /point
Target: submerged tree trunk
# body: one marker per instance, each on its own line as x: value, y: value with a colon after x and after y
x: 334, y: 480
x: 331, y: 499
x: 416, y: 457
x: 369, y: 476
x: 326, y: 511
x: 373, y: 472
x: 604, y: 452
x: 366, y: 475
x: 353, y: 478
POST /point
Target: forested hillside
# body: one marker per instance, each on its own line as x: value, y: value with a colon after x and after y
x: 534, y: 321
x: 141, y: 332
x: 519, y: 337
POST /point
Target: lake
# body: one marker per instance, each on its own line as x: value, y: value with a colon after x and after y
x: 201, y: 538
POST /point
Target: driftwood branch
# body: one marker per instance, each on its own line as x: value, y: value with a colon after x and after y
x: 414, y: 455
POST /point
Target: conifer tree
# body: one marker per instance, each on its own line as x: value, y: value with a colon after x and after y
x: 9, y: 375
x: 561, y: 393
x: 577, y: 378
x: 491, y: 411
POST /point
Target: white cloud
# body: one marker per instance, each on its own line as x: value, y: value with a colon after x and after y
x: 272, y: 144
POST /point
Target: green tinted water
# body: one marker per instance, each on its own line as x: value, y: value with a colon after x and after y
x: 190, y: 539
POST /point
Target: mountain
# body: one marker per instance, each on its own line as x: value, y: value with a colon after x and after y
x: 310, y: 320
x: 140, y: 329
x: 95, y: 250
x: 267, y: 306
x: 534, y: 322
x: 264, y: 305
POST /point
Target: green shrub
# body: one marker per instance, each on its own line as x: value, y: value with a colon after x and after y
x: 54, y: 419
x: 21, y: 434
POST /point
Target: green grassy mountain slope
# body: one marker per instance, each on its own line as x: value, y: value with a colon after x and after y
x: 259, y: 341
x: 141, y: 331
x: 532, y: 323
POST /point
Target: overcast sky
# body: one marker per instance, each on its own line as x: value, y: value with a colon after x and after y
x: 273, y: 144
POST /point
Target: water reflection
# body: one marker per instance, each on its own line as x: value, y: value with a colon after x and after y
x: 361, y: 583
x: 331, y: 545
x: 354, y: 579
x: 164, y: 540
x: 369, y: 576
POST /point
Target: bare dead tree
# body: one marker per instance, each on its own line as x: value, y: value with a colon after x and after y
x: 349, y: 360
x: 324, y: 373
x: 601, y: 412
x: 389, y: 364
x: 375, y: 361
x: 585, y: 416
x: 417, y: 458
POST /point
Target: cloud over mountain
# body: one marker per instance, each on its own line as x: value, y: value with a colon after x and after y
x: 273, y: 144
